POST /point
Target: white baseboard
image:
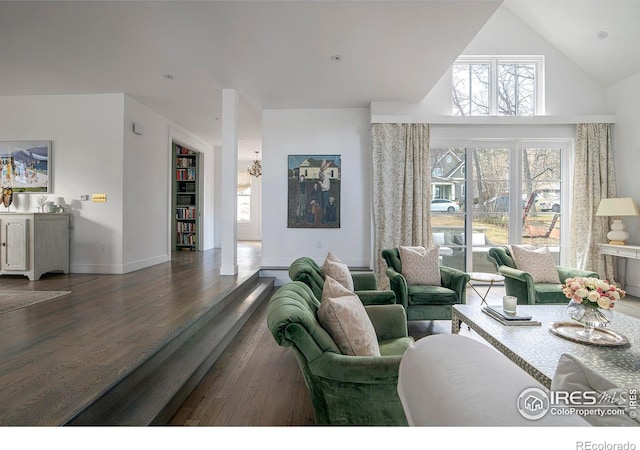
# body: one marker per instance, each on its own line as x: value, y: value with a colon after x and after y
x: 118, y: 269
x: 144, y: 263
x: 286, y: 262
x: 281, y: 276
x: 107, y: 269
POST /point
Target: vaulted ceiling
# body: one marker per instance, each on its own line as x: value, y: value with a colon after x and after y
x: 177, y: 56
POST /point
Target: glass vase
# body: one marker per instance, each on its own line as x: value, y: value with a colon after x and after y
x: 591, y: 316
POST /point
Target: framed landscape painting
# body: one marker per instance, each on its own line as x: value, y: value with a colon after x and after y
x: 24, y: 166
x: 314, y: 191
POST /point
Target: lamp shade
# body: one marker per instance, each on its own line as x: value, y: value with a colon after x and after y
x: 617, y: 207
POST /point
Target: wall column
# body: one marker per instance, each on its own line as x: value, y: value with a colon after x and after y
x: 229, y: 183
x: 217, y: 197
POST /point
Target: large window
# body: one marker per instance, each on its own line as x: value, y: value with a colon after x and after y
x: 515, y: 197
x: 505, y: 86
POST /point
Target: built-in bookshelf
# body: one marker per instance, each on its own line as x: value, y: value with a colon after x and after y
x: 185, y: 198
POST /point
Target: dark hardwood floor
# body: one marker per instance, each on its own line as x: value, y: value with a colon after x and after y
x: 258, y: 383
x: 57, y: 353
x: 255, y: 383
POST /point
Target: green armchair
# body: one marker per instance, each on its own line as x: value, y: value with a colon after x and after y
x: 519, y: 283
x: 345, y: 390
x: 365, y: 284
x: 426, y: 302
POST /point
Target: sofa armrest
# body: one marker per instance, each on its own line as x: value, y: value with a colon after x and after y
x: 389, y: 321
x: 432, y: 394
x: 398, y: 285
x: 455, y: 280
x: 516, y: 274
x: 357, y: 369
x: 365, y: 281
x: 568, y: 272
x: 306, y: 270
x: 382, y: 297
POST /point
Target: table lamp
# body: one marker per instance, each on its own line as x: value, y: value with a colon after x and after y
x: 616, y: 207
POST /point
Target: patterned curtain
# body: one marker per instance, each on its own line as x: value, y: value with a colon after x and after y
x: 401, y: 189
x: 593, y: 179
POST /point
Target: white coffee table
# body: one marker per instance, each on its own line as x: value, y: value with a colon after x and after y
x: 484, y: 277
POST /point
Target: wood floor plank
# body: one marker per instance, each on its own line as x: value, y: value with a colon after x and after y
x: 282, y: 398
x: 57, y: 356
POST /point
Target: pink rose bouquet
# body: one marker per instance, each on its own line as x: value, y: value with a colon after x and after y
x: 592, y: 291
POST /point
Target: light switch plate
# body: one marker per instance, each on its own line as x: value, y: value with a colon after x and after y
x: 101, y: 198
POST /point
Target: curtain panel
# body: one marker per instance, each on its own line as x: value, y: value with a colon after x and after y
x: 401, y: 189
x: 594, y: 178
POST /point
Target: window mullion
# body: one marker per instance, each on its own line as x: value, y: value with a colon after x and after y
x: 493, y: 87
x: 515, y: 187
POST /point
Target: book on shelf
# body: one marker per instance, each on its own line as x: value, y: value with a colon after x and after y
x: 526, y: 321
x: 185, y: 213
x: 185, y: 162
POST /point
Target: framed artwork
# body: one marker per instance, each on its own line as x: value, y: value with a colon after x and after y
x: 314, y: 191
x: 24, y: 166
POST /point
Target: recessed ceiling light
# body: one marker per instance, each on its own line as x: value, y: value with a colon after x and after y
x: 168, y: 76
x: 603, y: 35
x: 336, y: 58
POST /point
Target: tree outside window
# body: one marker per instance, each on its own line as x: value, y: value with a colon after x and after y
x: 504, y: 86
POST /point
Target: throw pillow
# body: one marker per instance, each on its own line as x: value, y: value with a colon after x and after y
x: 420, y: 265
x: 537, y: 262
x: 438, y: 239
x: 337, y: 270
x: 572, y: 375
x: 333, y: 289
x: 347, y: 322
x: 478, y: 239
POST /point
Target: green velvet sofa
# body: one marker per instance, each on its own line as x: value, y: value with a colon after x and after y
x: 365, y: 284
x: 519, y: 283
x: 345, y: 390
x: 426, y: 302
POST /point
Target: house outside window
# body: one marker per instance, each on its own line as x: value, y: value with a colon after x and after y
x: 512, y: 194
x: 498, y: 85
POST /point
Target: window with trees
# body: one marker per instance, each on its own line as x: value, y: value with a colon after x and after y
x: 504, y: 86
x: 515, y: 197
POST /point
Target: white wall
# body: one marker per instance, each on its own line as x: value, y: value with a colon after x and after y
x: 87, y: 142
x: 95, y: 151
x: 342, y: 132
x: 145, y: 196
x: 624, y: 98
x: 569, y: 90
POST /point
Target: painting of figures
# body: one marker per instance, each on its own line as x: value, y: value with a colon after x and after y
x: 24, y: 166
x: 314, y: 191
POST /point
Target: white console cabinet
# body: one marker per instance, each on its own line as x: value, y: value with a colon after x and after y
x: 34, y: 243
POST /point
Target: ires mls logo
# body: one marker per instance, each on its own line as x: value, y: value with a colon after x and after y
x: 535, y: 403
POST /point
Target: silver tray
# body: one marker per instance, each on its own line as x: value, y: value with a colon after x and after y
x: 601, y: 336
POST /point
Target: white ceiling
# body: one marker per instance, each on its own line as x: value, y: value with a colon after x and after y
x: 277, y: 54
x: 572, y: 26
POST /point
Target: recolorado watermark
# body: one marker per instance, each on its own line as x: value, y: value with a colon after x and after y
x: 589, y: 445
x: 535, y: 403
